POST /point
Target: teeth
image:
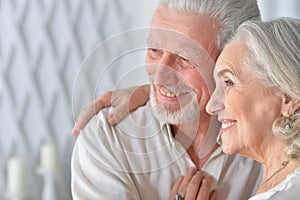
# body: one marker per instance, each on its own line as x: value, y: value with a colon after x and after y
x: 169, y: 94
x: 227, y: 124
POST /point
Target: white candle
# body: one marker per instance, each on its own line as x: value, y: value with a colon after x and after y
x: 48, y: 157
x: 16, y: 177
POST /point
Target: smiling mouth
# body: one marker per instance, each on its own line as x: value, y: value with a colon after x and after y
x: 165, y: 92
x: 228, y: 124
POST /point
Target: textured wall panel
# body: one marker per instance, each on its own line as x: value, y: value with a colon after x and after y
x: 42, y: 45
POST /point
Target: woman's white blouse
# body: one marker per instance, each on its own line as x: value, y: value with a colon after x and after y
x: 289, y: 189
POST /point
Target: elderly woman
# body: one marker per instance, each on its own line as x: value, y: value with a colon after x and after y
x: 257, y: 100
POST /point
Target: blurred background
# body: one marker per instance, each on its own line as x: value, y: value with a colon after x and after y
x: 43, y: 44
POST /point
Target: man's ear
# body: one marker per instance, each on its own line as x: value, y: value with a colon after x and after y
x: 289, y: 105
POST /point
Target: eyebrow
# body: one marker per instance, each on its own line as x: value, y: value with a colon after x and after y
x: 222, y: 72
x: 182, y: 53
x: 151, y: 42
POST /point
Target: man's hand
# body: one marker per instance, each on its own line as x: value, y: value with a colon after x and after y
x: 123, y: 101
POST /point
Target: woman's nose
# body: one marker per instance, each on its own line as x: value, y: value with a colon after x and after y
x: 216, y: 103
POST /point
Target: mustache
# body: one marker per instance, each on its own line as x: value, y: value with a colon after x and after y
x: 173, y: 88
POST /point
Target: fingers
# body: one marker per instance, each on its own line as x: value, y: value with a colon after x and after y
x: 117, y: 114
x: 205, y: 189
x: 213, y: 195
x: 119, y: 111
x: 184, y: 184
x: 111, y: 119
x: 175, y: 187
x: 139, y: 97
x: 179, y: 187
x: 103, y: 101
x: 85, y: 115
x: 194, y: 185
x: 127, y: 100
x: 89, y: 111
x: 123, y: 101
x: 75, y: 131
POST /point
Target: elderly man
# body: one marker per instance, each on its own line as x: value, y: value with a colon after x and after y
x: 142, y: 156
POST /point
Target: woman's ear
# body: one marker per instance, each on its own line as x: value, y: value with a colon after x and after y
x: 289, y: 105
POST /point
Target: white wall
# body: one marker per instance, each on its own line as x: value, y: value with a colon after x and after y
x: 271, y: 9
x: 42, y: 45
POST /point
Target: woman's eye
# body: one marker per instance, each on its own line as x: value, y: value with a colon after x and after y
x: 228, y: 82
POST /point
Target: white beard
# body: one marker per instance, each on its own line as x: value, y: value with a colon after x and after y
x: 187, y: 114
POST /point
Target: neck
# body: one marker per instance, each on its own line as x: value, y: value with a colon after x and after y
x: 200, y: 161
x: 277, y: 173
x: 272, y: 156
x: 198, y: 138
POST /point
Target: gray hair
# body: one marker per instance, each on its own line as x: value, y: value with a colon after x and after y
x: 274, y: 56
x: 229, y: 13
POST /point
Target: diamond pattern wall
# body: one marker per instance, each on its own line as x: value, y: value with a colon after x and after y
x: 42, y: 45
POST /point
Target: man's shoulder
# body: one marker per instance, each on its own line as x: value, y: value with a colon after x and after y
x: 137, y: 126
x: 100, y: 119
x: 141, y: 115
x: 140, y: 121
x: 130, y: 145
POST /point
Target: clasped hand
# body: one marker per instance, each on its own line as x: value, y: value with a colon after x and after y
x: 195, y: 185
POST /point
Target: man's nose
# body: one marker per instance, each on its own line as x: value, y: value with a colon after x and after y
x: 165, y: 73
x: 167, y: 59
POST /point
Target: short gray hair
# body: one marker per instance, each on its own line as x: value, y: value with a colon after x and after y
x: 229, y: 13
x: 274, y: 56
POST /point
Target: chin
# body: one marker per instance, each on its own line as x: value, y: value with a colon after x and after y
x: 174, y: 114
x: 228, y: 150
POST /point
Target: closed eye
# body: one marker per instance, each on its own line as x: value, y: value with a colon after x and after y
x: 186, y: 63
x: 155, y: 53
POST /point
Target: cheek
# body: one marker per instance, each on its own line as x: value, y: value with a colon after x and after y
x: 256, y: 119
x: 200, y: 87
x: 237, y: 106
x: 231, y: 144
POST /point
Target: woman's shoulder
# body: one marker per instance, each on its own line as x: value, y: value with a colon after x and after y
x: 288, y: 189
